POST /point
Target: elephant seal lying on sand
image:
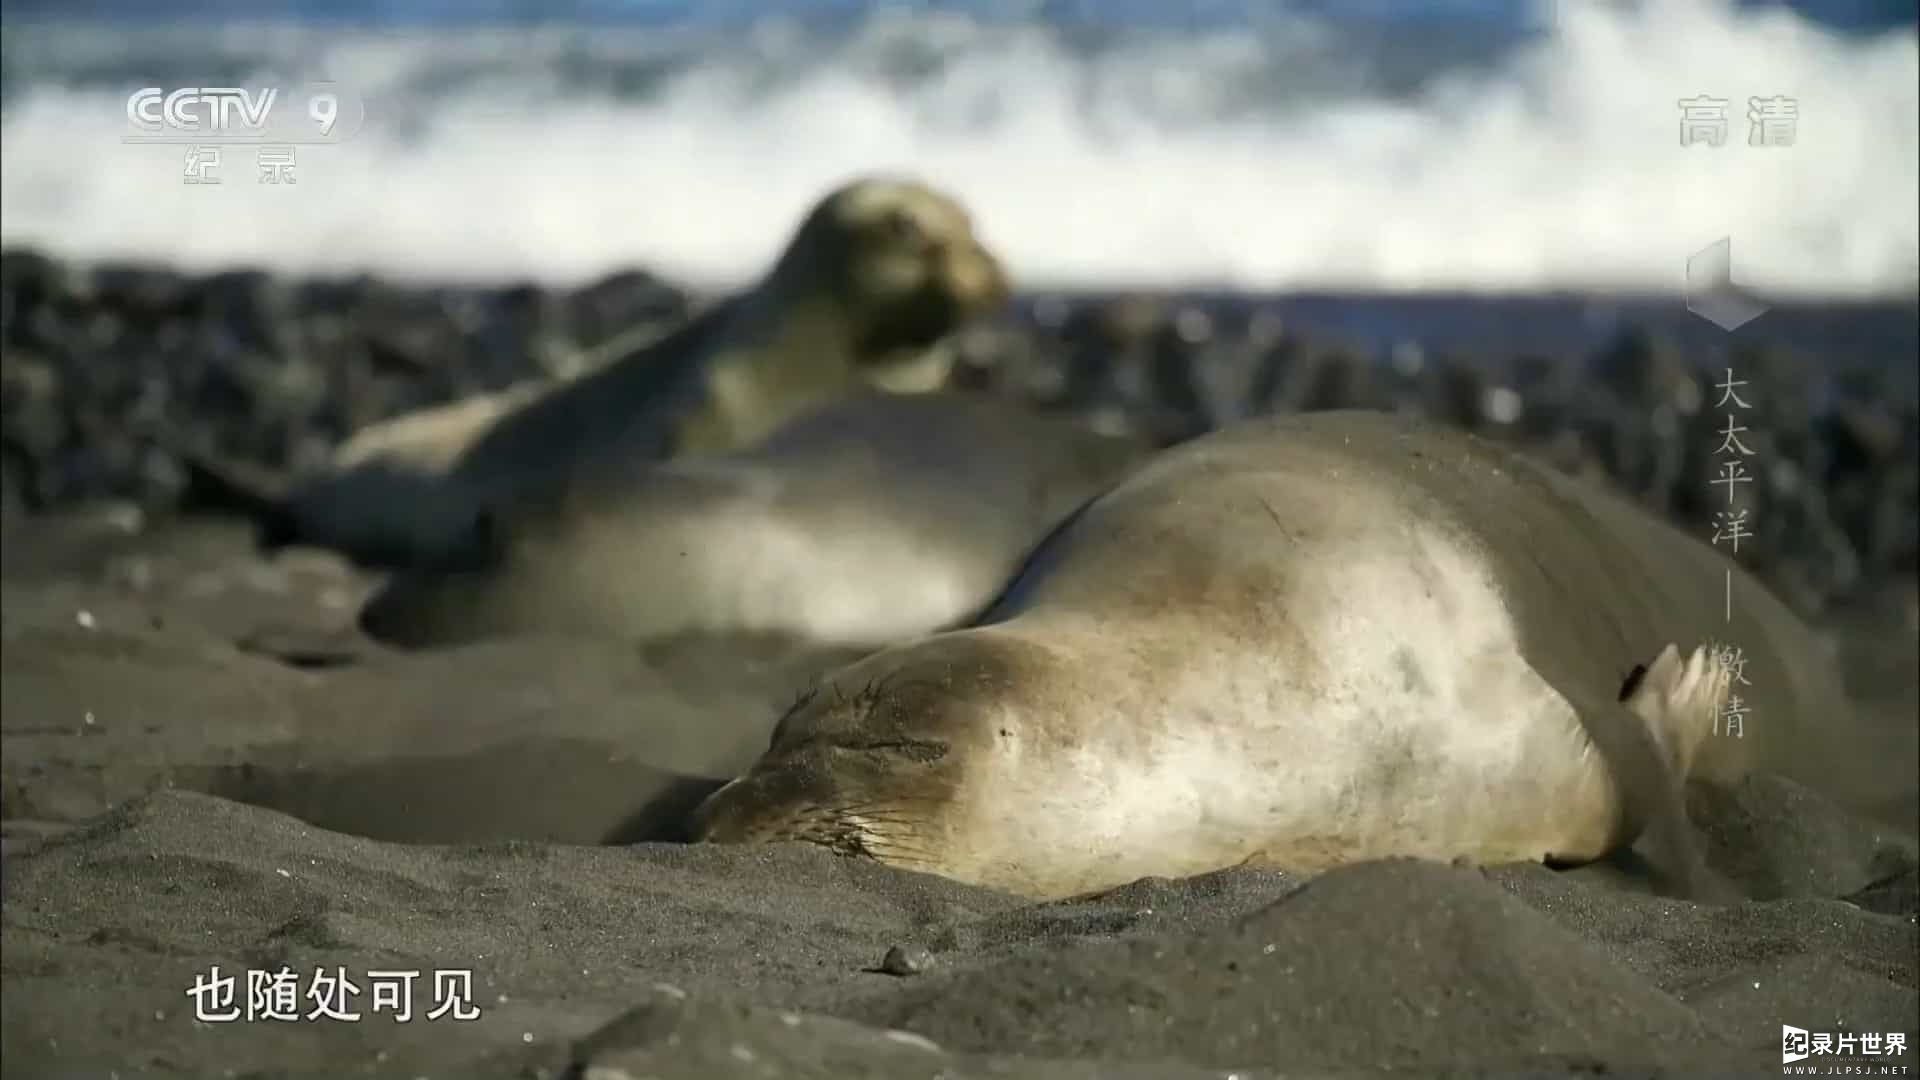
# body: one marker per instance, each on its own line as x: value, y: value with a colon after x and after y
x: 1305, y: 641
x: 866, y: 522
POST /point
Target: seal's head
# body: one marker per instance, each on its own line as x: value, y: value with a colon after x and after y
x: 896, y: 758
x: 899, y: 259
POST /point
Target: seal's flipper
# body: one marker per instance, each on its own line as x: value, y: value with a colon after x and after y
x: 1676, y: 703
x: 1681, y: 703
x: 231, y: 486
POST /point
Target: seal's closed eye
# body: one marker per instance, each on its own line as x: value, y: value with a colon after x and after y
x: 924, y: 751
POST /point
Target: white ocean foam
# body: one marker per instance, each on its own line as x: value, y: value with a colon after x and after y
x: 1559, y: 168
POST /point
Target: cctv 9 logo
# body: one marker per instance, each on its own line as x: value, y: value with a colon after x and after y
x: 318, y: 112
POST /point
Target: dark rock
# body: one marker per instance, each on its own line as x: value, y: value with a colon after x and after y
x: 109, y: 370
x: 906, y: 960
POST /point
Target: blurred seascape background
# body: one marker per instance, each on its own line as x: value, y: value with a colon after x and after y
x: 1492, y: 145
x: 1478, y: 212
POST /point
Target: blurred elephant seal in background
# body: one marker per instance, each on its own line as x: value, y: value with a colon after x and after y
x: 877, y: 274
x: 865, y: 522
x: 1305, y: 641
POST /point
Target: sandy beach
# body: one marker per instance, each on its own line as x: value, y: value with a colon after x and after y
x: 178, y: 803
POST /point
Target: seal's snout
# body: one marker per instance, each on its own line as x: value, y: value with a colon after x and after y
x: 767, y: 806
x: 806, y: 800
x: 717, y: 819
x: 978, y: 277
x: 376, y: 618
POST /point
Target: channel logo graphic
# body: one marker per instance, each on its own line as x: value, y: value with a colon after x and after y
x: 1794, y: 1044
x: 1711, y: 293
x: 307, y: 113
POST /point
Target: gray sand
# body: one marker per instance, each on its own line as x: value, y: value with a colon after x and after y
x: 468, y: 809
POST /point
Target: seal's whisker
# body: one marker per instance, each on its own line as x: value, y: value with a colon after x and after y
x: 901, y: 855
x: 902, y: 858
x: 890, y: 842
x: 882, y: 818
x: 890, y: 836
x: 880, y: 810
